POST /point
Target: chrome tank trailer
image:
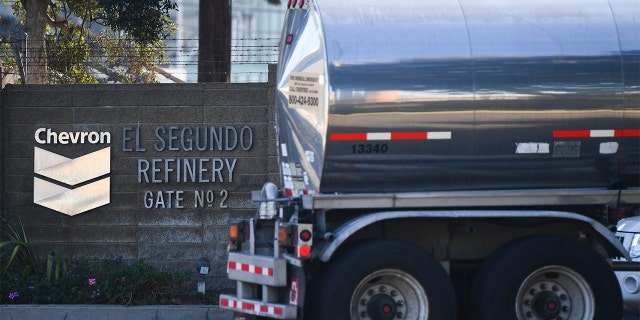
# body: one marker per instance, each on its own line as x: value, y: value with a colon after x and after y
x: 379, y: 96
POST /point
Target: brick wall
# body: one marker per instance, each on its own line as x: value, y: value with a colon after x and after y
x: 170, y: 197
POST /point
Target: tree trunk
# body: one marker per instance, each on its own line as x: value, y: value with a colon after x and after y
x: 35, y: 27
x: 214, y: 52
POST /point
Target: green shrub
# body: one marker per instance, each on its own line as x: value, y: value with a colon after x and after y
x: 16, y: 254
x: 23, y: 280
x: 104, y: 282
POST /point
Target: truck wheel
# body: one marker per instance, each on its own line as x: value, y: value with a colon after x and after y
x: 384, y: 279
x: 550, y: 277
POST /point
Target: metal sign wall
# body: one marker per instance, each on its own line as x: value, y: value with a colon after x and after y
x: 148, y: 172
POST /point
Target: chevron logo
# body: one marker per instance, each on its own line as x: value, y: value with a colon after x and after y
x: 78, y: 184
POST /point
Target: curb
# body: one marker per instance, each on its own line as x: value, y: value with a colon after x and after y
x: 110, y: 312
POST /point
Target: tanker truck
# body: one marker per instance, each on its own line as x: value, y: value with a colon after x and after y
x: 446, y: 160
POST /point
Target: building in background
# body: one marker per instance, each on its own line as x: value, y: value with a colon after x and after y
x: 255, y: 34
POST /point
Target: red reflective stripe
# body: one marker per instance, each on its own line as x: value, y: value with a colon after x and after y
x: 408, y: 135
x: 590, y: 133
x: 248, y: 306
x: 247, y: 268
x: 252, y: 307
x: 629, y: 133
x: 571, y: 133
x: 347, y: 136
x: 419, y: 135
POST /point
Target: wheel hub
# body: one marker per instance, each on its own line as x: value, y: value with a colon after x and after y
x: 546, y: 305
x: 382, y: 302
x: 546, y: 300
x: 381, y: 306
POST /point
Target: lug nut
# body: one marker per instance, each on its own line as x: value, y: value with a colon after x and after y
x: 383, y: 289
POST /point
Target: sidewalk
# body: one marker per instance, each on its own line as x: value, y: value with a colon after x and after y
x: 111, y: 312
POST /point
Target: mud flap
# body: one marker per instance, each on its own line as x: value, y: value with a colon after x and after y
x: 297, y: 287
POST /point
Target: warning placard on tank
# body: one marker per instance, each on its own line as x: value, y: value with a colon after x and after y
x: 304, y: 89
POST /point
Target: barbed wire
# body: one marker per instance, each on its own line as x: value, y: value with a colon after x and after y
x: 254, y: 53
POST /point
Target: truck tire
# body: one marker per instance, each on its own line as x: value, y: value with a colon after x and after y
x: 384, y: 279
x: 546, y: 277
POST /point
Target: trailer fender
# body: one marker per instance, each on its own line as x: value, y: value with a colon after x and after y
x: 345, y: 231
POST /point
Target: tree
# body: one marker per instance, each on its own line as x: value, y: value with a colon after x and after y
x: 35, y: 27
x: 214, y: 44
x: 91, y: 41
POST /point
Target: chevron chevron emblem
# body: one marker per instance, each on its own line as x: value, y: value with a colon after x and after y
x: 82, y: 187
